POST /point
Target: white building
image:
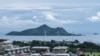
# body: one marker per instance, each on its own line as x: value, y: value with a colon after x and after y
x: 5, y: 45
x: 48, y: 54
x: 60, y: 49
x: 36, y: 54
x: 41, y: 49
x: 64, y: 54
x: 17, y: 50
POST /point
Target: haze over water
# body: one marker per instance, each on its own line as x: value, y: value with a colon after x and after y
x: 92, y: 38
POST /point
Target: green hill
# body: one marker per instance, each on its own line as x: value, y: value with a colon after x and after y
x: 41, y: 31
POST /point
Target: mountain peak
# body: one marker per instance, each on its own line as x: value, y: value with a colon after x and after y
x: 44, y: 26
x: 41, y: 31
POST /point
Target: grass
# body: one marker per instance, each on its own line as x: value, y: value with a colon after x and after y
x: 94, y: 54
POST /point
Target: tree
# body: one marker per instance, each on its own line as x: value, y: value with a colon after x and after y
x: 1, y: 40
x: 76, y: 41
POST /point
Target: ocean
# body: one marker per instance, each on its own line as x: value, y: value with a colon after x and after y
x: 92, y: 38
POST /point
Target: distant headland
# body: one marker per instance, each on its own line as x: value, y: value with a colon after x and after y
x: 43, y: 30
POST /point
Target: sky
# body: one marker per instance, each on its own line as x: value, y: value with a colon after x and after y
x: 77, y: 16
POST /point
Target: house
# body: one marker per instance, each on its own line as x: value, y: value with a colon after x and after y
x: 60, y: 49
x: 39, y: 49
x: 5, y: 45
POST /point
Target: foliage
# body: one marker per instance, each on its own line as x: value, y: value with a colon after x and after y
x: 41, y: 31
x: 85, y: 46
x: 1, y: 40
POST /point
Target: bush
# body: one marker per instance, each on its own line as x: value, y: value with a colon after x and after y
x: 88, y: 55
x: 98, y: 55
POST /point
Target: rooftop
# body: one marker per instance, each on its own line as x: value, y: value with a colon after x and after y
x: 41, y: 47
x: 60, y: 47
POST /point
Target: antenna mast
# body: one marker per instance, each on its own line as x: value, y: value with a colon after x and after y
x: 45, y: 33
x: 58, y: 33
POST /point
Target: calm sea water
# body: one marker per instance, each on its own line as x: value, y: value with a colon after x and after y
x: 93, y: 38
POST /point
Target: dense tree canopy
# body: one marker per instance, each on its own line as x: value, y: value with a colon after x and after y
x: 86, y: 46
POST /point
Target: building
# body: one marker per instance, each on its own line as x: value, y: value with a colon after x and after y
x: 79, y: 52
x: 48, y: 54
x: 39, y: 49
x: 62, y: 54
x: 5, y: 45
x: 1, y: 50
x: 60, y: 49
x: 18, y: 50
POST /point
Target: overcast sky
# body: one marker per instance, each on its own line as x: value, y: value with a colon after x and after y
x: 78, y: 16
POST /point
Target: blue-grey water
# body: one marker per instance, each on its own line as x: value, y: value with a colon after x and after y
x: 93, y: 38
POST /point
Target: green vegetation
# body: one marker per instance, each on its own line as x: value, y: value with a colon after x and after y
x: 87, y: 47
x: 1, y: 40
x: 94, y: 53
x: 41, y: 31
x: 73, y: 45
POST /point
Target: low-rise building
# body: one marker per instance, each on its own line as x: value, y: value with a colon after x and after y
x: 40, y: 49
x: 60, y: 49
x: 5, y: 45
x: 17, y: 50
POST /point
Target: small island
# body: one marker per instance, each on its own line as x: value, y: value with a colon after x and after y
x: 43, y: 30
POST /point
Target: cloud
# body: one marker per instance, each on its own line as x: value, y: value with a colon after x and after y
x: 95, y: 18
x: 22, y: 19
x: 24, y: 4
x: 46, y: 4
x: 51, y: 17
x: 15, y: 22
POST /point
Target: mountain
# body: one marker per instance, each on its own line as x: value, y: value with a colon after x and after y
x: 41, y: 31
